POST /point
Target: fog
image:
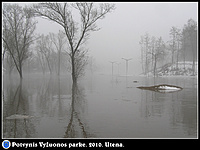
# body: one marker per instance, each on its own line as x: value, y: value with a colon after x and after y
x: 152, y: 99
x: 120, y: 31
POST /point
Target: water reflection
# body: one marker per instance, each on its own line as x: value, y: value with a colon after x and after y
x: 77, y: 126
x: 183, y: 111
x: 152, y: 104
x: 91, y: 108
x: 16, y: 103
x: 178, y: 107
x: 51, y: 98
x: 58, y: 108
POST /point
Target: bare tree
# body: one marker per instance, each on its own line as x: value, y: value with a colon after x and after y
x: 141, y: 42
x: 178, y: 39
x: 157, y: 53
x: 80, y: 62
x: 76, y: 33
x: 146, y: 51
x: 44, y: 46
x: 18, y: 28
x: 173, y: 42
x: 59, y: 41
x: 190, y: 35
x: 184, y: 45
x: 9, y: 64
x: 41, y: 59
x: 152, y: 52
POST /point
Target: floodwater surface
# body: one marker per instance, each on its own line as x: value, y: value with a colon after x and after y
x: 99, y: 106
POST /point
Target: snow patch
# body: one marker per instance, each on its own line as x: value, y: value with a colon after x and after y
x: 16, y: 116
x: 168, y: 88
x: 163, y: 88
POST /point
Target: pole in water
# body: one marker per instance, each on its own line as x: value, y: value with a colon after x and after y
x: 127, y: 64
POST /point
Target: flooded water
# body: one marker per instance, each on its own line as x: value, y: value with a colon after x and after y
x: 100, y: 106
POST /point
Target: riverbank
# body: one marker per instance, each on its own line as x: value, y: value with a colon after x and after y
x: 181, y: 69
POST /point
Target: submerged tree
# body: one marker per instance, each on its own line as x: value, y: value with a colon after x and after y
x: 77, y: 33
x: 145, y: 49
x: 44, y: 51
x: 18, y: 28
x: 58, y: 40
x: 9, y: 64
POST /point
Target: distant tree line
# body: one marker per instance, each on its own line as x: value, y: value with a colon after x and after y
x: 49, y: 51
x: 182, y: 46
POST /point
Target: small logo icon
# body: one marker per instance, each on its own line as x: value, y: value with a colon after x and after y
x: 6, y: 144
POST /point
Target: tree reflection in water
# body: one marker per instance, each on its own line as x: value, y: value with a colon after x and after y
x: 76, y: 127
x: 17, y: 104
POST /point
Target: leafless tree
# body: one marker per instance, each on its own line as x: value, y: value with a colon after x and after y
x: 44, y: 48
x: 152, y: 52
x: 75, y: 120
x: 184, y: 45
x: 77, y: 33
x: 59, y: 41
x: 141, y: 42
x: 178, y: 39
x: 145, y: 49
x: 173, y: 42
x: 41, y: 59
x: 9, y: 64
x: 18, y: 28
x: 190, y: 37
x: 156, y: 54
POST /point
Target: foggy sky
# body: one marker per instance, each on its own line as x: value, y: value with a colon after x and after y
x: 121, y: 30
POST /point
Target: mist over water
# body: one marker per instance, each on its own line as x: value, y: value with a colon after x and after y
x: 78, y: 77
x: 99, y: 106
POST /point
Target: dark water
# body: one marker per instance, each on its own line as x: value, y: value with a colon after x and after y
x: 100, y: 106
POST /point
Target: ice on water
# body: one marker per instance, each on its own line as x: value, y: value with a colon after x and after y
x: 18, y: 116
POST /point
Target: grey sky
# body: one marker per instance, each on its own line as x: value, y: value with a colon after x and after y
x: 121, y: 30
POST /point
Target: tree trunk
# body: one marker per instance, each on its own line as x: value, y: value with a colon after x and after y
x: 20, y: 73
x: 177, y: 61
x: 177, y: 70
x: 20, y: 70
x: 146, y: 64
x: 59, y: 63
x: 172, y: 57
x: 74, y: 79
x: 155, y: 66
x: 49, y: 66
x: 193, y: 64
x: 184, y: 54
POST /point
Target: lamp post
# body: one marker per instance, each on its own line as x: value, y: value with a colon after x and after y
x: 127, y: 64
x: 112, y: 66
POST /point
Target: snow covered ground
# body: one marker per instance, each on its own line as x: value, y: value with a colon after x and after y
x: 184, y: 69
x: 165, y: 87
x: 168, y: 89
